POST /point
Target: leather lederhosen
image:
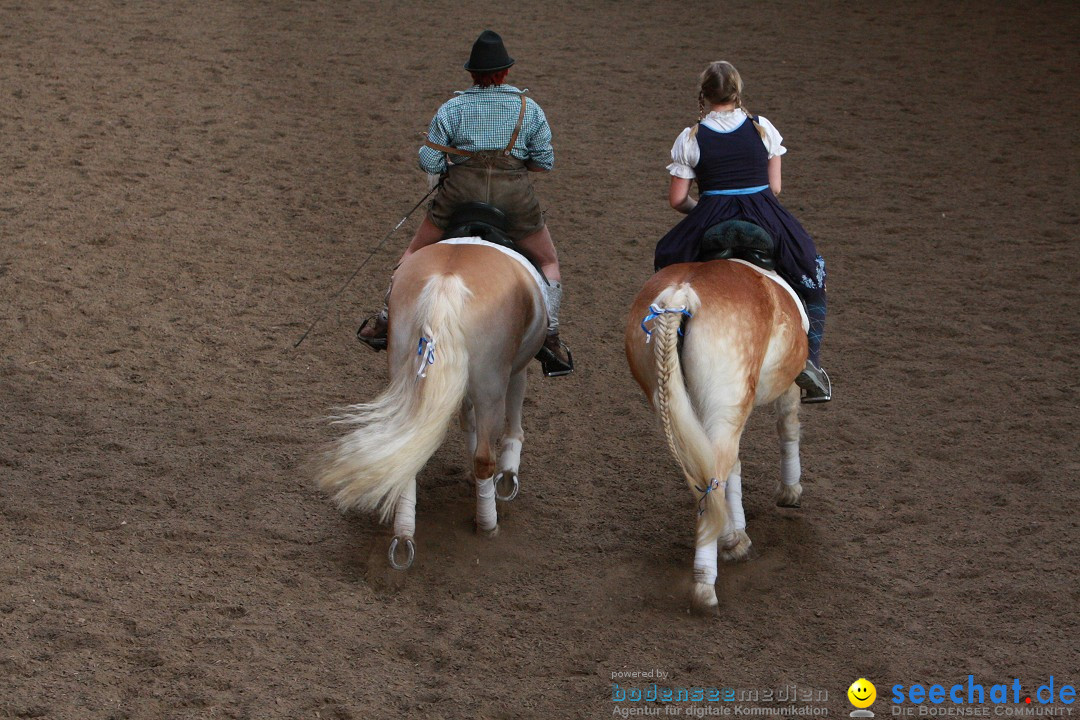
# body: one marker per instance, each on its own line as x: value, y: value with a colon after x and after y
x: 492, y: 176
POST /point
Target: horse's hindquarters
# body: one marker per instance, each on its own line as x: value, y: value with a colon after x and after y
x: 746, y: 345
x: 742, y: 346
x: 470, y: 308
x: 504, y: 319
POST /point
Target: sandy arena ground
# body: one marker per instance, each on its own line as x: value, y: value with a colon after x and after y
x: 184, y: 185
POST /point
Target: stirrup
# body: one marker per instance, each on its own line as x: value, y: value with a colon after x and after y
x: 815, y: 383
x: 375, y: 342
x: 552, y: 365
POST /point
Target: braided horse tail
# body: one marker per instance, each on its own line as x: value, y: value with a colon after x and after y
x: 686, y: 436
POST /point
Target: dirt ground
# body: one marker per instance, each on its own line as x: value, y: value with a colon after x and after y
x: 184, y: 185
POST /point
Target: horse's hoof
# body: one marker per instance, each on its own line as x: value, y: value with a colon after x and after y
x: 493, y: 532
x: 703, y: 600
x: 506, y: 478
x: 736, y: 547
x: 788, y: 496
x: 410, y: 553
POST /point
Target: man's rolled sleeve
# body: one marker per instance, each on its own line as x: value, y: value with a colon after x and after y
x: 541, y: 153
x: 433, y: 161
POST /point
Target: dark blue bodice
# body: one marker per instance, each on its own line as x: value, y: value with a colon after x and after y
x: 732, y: 160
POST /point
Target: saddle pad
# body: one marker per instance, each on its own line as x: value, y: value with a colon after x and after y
x: 782, y: 283
x: 509, y: 253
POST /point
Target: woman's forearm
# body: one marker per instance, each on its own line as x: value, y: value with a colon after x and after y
x: 679, y: 195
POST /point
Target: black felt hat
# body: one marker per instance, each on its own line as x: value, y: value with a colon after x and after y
x: 488, y: 54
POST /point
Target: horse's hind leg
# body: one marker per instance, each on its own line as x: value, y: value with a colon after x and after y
x: 725, y: 435
x: 402, y: 547
x: 737, y: 543
x: 489, y: 415
x: 703, y: 595
x: 510, y: 447
x: 468, y: 426
x: 787, y: 425
x: 733, y: 545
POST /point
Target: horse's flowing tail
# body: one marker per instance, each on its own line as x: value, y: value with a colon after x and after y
x: 686, y: 436
x: 395, y: 434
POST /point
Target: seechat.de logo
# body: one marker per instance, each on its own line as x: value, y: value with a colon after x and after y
x: 862, y: 695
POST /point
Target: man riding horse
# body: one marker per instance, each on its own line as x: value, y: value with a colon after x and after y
x: 483, y: 143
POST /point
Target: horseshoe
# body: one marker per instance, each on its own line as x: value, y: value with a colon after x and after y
x: 409, y: 546
x: 507, y: 497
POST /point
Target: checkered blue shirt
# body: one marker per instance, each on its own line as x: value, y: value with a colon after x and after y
x: 483, y: 119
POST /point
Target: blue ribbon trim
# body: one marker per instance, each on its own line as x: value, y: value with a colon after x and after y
x: 736, y: 191
x: 655, y: 312
x: 427, y: 355
x: 713, y: 484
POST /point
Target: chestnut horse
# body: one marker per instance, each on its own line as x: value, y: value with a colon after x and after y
x: 466, y: 318
x: 708, y: 342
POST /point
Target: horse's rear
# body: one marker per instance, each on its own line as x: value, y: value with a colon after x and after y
x: 502, y: 319
x: 465, y: 321
x: 742, y: 345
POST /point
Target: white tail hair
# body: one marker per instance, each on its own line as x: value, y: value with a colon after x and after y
x: 686, y: 436
x: 397, y: 432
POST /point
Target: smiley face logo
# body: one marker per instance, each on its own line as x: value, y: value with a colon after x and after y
x: 862, y: 693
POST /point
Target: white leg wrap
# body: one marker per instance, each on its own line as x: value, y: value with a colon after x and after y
x: 405, y: 513
x: 510, y: 457
x: 553, y: 300
x: 790, y: 469
x: 486, y: 516
x: 705, y: 563
x: 733, y: 495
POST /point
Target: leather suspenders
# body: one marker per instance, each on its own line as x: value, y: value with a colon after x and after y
x: 469, y: 153
x: 517, y: 127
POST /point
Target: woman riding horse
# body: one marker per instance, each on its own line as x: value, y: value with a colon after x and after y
x: 492, y: 136
x: 735, y: 158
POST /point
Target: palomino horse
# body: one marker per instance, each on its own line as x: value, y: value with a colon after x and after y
x: 466, y: 319
x: 707, y: 342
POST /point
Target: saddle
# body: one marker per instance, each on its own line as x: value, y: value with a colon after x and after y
x: 741, y: 240
x: 487, y: 222
x: 479, y: 219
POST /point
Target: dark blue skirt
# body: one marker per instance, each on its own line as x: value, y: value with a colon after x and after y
x: 797, y: 260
